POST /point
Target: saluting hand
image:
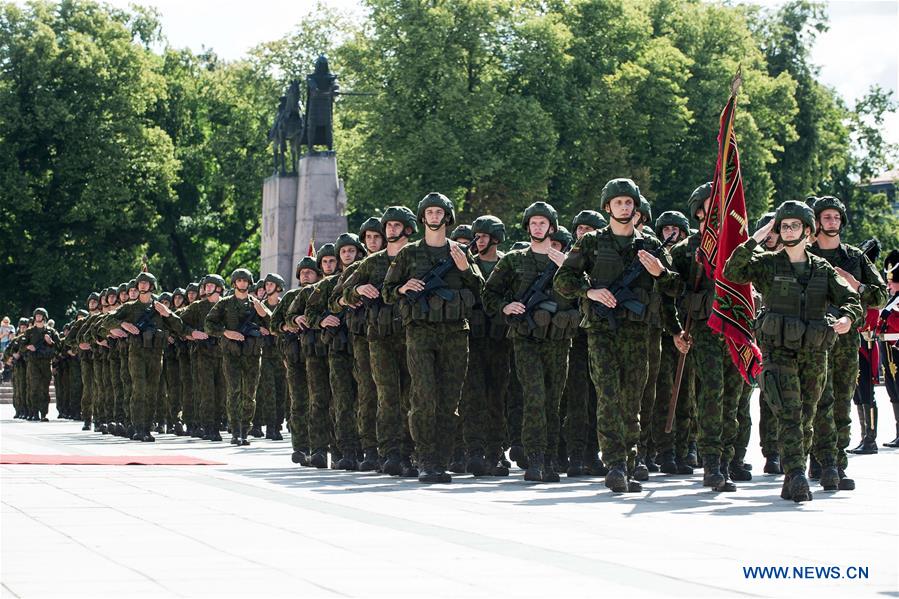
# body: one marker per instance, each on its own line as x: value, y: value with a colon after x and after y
x: 301, y: 322
x: 412, y: 285
x: 458, y: 256
x: 556, y: 256
x: 853, y: 282
x: 48, y: 339
x: 199, y: 335
x: 162, y: 309
x: 514, y: 308
x: 234, y: 335
x: 651, y: 263
x: 330, y: 321
x: 130, y: 328
x: 763, y: 233
x: 603, y: 296
x: 368, y: 290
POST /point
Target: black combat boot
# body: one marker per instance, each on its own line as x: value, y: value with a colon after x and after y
x: 814, y: 468
x: 87, y: 425
x: 369, y: 460
x: 269, y: 429
x: 785, y: 489
x: 651, y: 464
x: 408, y: 468
x: 667, y: 463
x: 319, y: 458
x: 476, y: 464
x: 179, y: 429
x: 146, y: 437
x: 256, y: 431
x: 869, y: 441
x: 242, y: 435
x: 846, y: 483
x: 772, y: 464
x: 641, y: 472
x: 429, y: 473
x: 393, y: 465
x: 692, y: 457
x: 495, y: 465
x: 276, y: 432
x: 298, y: 457
x: 712, y: 476
x: 535, y: 470
x: 550, y: 474
x: 457, y: 466
x: 235, y: 439
x: 682, y: 466
x: 517, y: 455
x: 894, y: 442
x: 575, y: 465
x: 596, y: 467
x: 616, y: 479
x: 738, y: 471
x: 160, y: 428
x: 215, y: 435
x: 830, y: 476
x: 727, y: 486
x: 799, y: 489
x: 348, y: 461
x: 104, y: 428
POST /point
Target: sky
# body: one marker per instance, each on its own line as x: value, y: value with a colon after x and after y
x: 861, y: 47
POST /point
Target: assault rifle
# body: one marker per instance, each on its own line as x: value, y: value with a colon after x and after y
x: 536, y: 295
x: 434, y: 283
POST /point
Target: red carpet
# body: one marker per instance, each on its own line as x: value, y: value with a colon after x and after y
x: 100, y: 460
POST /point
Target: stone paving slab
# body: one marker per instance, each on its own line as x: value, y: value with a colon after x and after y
x: 261, y: 526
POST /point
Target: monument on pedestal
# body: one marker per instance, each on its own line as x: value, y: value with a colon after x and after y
x: 307, y: 202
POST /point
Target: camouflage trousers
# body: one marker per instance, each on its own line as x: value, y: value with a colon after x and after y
x: 683, y: 427
x: 647, y: 404
x: 102, y: 385
x: 834, y: 413
x: 579, y: 399
x: 393, y: 384
x: 20, y: 385
x: 207, y: 385
x: 767, y: 423
x: 800, y: 378
x: 718, y: 389
x: 125, y: 377
x: 240, y: 366
x: 366, y: 393
x: 189, y: 407
x: 87, y: 386
x: 484, y: 394
x: 343, y: 396
x: 514, y: 410
x: 744, y: 424
x: 321, y: 412
x: 542, y: 368
x: 116, y: 364
x: 298, y: 392
x: 619, y: 369
x: 270, y: 398
x: 75, y: 390
x: 437, y: 357
x: 39, y: 384
x: 171, y: 373
x: 145, y: 366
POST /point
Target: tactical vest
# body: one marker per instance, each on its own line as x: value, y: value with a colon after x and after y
x: 795, y: 309
x: 698, y: 303
x: 609, y: 262
x: 481, y: 325
x: 555, y: 319
x: 455, y: 307
x: 849, y: 259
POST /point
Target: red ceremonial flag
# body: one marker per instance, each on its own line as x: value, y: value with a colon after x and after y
x: 311, y: 250
x: 727, y: 226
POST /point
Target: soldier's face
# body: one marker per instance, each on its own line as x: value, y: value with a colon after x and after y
x: 208, y: 288
x: 348, y: 254
x: 178, y: 300
x: 329, y: 265
x: 582, y: 230
x: 260, y: 292
x: 434, y: 216
x: 92, y: 305
x: 373, y: 241
x: 830, y: 220
x: 22, y: 328
x: 538, y: 227
x: 483, y: 241
x: 242, y: 285
x: 270, y: 288
x: 308, y: 276
x: 123, y: 297
x: 143, y: 286
x: 791, y: 229
x: 38, y: 319
x: 669, y: 230
x: 622, y: 207
x: 132, y: 293
x: 191, y: 296
x: 166, y: 303
x: 394, y: 229
x: 112, y: 300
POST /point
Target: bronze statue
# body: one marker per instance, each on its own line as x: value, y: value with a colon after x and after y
x: 321, y: 89
x: 287, y: 131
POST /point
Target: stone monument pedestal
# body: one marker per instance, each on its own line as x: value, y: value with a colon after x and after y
x: 297, y: 209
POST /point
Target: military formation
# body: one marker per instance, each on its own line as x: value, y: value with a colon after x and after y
x: 439, y: 354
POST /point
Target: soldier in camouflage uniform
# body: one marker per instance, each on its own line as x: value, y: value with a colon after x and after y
x: 386, y: 342
x: 145, y: 324
x: 190, y: 407
x: 482, y: 407
x: 436, y: 330
x: 38, y: 346
x: 272, y: 377
x: 307, y: 273
x: 719, y: 382
x: 322, y: 315
x: 579, y: 397
x: 237, y: 321
x: 462, y: 234
x: 542, y: 324
x: 670, y: 461
x: 794, y: 330
x: 320, y: 415
x: 87, y: 359
x: 833, y: 416
x: 205, y: 363
x: 101, y: 384
x: 617, y: 353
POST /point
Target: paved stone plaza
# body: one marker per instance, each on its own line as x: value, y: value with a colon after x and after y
x: 260, y: 526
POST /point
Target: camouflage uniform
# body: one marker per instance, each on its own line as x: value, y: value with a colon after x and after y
x: 295, y: 373
x: 39, y: 366
x: 436, y: 346
x: 796, y: 336
x: 272, y: 383
x: 204, y: 366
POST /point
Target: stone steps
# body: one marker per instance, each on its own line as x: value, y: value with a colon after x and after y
x: 6, y: 393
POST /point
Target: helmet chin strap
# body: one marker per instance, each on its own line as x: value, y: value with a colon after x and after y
x: 395, y: 239
x: 792, y: 242
x: 435, y: 227
x: 831, y: 233
x: 624, y: 221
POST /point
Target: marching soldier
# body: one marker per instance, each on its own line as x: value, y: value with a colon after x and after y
x: 38, y: 346
x: 794, y: 330
x: 272, y: 378
x: 436, y: 329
